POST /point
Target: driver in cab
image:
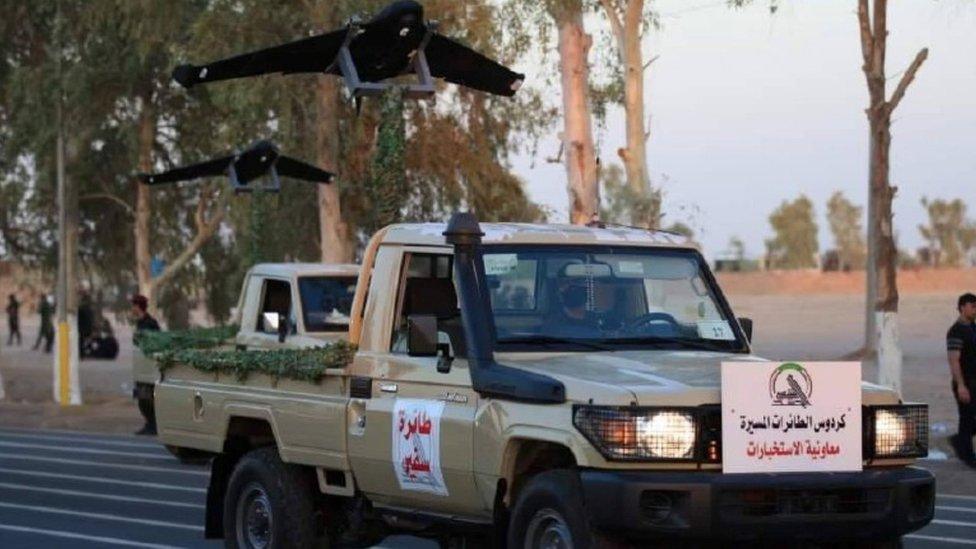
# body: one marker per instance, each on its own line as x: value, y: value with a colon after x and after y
x: 573, y: 319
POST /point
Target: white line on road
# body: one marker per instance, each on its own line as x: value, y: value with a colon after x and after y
x: 76, y: 440
x: 103, y: 480
x: 953, y: 508
x: 63, y: 492
x: 956, y: 496
x: 942, y: 539
x: 103, y: 516
x: 77, y: 450
x: 954, y: 523
x: 85, y: 435
x: 73, y: 535
x: 110, y: 465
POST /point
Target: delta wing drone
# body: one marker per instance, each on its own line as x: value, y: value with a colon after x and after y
x: 395, y: 42
x: 261, y: 158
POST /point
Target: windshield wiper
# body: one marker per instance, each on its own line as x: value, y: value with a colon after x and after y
x: 683, y: 343
x: 554, y: 340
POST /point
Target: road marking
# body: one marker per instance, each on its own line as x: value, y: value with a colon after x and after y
x: 959, y: 509
x: 956, y: 496
x: 77, y: 450
x: 77, y: 434
x: 102, y: 480
x: 103, y: 516
x: 4, y: 434
x: 954, y: 523
x: 26, y: 488
x: 110, y: 465
x: 943, y: 539
x: 73, y: 535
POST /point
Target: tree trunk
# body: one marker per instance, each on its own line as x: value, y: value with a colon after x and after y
x: 147, y: 139
x: 580, y: 153
x: 334, y: 233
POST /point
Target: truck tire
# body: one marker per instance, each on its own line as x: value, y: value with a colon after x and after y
x: 549, y: 513
x: 269, y: 504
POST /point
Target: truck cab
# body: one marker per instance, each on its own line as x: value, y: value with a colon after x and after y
x: 539, y: 385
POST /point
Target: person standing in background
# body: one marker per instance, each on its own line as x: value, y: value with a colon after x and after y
x: 46, y: 331
x: 13, y: 320
x: 86, y: 321
x: 961, y: 345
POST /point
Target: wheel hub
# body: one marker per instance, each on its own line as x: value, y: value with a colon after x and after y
x: 255, y: 520
x: 548, y: 530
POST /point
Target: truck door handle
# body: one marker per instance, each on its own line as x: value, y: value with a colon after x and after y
x: 388, y: 387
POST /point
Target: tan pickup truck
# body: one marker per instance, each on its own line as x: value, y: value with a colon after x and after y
x: 531, y: 386
x: 281, y: 305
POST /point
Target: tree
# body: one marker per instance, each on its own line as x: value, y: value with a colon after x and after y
x: 844, y: 219
x: 951, y: 237
x: 628, y: 22
x: 624, y: 205
x: 737, y: 248
x: 881, y: 335
x: 794, y: 245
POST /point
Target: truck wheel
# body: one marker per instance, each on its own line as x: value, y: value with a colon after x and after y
x: 269, y: 504
x: 549, y: 513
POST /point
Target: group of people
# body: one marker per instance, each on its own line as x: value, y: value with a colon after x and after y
x: 46, y: 332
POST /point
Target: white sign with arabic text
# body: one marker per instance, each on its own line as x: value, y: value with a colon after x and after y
x: 417, y: 445
x: 791, y: 416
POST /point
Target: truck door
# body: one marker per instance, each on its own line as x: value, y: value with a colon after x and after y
x: 416, y: 440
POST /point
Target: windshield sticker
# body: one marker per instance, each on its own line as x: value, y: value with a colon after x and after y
x: 417, y: 445
x: 500, y: 264
x: 715, y: 329
x: 631, y: 267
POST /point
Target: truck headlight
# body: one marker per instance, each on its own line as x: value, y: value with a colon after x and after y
x: 635, y: 433
x: 898, y: 431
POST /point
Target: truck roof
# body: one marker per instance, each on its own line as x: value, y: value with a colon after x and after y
x: 534, y: 233
x: 288, y: 270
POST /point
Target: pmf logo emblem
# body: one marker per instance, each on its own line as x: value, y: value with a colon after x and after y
x: 790, y: 385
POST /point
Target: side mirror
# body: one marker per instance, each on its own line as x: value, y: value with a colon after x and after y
x: 746, y: 324
x: 283, y: 327
x: 422, y: 335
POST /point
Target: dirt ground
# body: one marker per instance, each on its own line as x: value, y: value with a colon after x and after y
x: 787, y: 327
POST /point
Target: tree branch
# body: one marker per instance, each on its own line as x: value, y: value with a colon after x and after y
x: 614, y: 17
x: 649, y: 61
x: 867, y: 40
x: 205, y: 230
x: 906, y: 79
x: 111, y: 197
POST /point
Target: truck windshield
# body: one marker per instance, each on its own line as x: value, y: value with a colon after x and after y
x: 603, y: 297
x: 326, y: 302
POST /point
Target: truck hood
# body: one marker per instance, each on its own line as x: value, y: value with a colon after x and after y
x: 650, y: 377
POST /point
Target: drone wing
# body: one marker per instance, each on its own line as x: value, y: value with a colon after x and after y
x: 210, y: 168
x: 461, y: 65
x: 296, y: 169
x: 313, y: 54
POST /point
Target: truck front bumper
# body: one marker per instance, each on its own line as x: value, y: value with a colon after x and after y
x: 871, y: 504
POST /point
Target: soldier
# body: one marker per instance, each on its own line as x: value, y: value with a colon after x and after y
x: 961, y: 344
x: 46, y: 332
x: 144, y: 321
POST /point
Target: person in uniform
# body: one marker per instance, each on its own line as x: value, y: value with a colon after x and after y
x: 144, y: 322
x: 13, y: 320
x: 46, y: 331
x: 961, y: 344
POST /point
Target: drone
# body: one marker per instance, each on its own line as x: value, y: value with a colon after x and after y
x: 395, y: 42
x: 261, y: 158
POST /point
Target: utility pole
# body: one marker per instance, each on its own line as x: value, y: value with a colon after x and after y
x: 66, y: 388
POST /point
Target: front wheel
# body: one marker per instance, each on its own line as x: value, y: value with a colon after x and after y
x: 269, y: 504
x: 549, y: 513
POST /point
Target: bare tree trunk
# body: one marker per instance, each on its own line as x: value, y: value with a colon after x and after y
x: 334, y: 233
x: 574, y: 45
x: 627, y: 22
x: 147, y: 139
x: 883, y: 339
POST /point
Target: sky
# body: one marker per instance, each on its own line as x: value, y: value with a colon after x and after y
x: 749, y: 109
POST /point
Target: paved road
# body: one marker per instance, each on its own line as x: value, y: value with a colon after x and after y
x: 79, y: 490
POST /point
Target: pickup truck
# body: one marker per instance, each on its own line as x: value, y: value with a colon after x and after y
x: 281, y: 305
x: 528, y: 386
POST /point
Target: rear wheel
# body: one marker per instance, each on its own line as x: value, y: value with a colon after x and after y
x: 269, y: 504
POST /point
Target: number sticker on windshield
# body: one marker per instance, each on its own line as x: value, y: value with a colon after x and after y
x: 500, y: 264
x: 715, y: 329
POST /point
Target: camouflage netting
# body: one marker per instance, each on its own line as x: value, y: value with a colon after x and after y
x: 151, y: 342
x: 298, y: 364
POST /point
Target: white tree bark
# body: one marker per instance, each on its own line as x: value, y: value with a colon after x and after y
x: 889, y: 350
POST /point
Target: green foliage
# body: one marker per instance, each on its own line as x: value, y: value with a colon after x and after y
x: 387, y: 187
x: 622, y: 205
x: 794, y: 245
x: 845, y: 224
x: 152, y: 342
x: 297, y: 364
x: 950, y: 235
